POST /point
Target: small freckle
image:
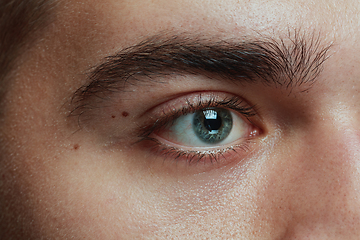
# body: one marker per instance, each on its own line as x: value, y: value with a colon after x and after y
x: 125, y: 114
x: 76, y: 146
x: 113, y: 116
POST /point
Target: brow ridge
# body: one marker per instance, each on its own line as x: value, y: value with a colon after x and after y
x: 280, y: 63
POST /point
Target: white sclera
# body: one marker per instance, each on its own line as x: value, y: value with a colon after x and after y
x: 181, y: 132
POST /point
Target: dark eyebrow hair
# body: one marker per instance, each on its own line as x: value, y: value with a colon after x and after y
x: 286, y: 62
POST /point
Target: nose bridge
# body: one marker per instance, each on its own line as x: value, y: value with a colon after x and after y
x: 324, y: 200
x: 333, y: 146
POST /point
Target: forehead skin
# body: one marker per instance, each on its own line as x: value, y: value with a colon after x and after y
x: 304, y: 186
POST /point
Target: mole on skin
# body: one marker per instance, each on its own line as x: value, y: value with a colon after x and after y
x: 125, y: 114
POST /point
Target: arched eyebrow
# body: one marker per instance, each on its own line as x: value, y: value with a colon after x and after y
x: 286, y: 63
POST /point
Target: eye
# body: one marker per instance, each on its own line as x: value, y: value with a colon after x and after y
x: 209, y: 127
x: 203, y: 126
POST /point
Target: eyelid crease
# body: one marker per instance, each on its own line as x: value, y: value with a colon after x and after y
x: 229, y: 100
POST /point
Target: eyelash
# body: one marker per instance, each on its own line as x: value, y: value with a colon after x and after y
x: 168, y: 118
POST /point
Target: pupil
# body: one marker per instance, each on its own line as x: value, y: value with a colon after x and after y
x: 212, y: 120
x: 212, y: 125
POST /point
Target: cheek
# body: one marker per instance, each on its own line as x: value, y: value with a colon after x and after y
x: 78, y: 194
x: 77, y: 189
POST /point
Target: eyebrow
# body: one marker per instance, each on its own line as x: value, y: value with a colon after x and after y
x: 287, y: 63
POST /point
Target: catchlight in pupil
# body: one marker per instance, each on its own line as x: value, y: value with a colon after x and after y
x: 212, y: 125
x: 212, y: 121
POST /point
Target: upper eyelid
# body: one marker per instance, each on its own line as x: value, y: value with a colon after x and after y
x: 166, y: 112
x: 203, y: 99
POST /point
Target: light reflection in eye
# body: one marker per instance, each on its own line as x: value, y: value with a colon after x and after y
x: 212, y: 125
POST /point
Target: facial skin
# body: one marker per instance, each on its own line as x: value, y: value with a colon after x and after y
x: 65, y: 176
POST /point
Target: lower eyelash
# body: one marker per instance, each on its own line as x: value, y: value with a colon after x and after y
x: 193, y: 157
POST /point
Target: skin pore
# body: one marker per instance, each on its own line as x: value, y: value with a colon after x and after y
x: 88, y: 153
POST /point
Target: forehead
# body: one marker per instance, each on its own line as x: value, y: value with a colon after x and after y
x: 229, y: 18
x: 92, y: 30
x: 88, y: 31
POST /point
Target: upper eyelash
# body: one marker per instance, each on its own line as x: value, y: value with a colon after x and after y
x: 233, y: 103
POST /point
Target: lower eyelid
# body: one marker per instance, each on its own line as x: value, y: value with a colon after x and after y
x: 221, y: 157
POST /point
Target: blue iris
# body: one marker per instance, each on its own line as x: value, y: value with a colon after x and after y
x: 212, y: 125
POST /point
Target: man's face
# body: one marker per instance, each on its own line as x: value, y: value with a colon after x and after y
x: 210, y: 120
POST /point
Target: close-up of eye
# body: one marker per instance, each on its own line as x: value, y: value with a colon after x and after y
x: 180, y: 119
x: 206, y: 127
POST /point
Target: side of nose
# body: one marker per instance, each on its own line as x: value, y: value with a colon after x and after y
x: 310, y: 179
x: 322, y: 183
